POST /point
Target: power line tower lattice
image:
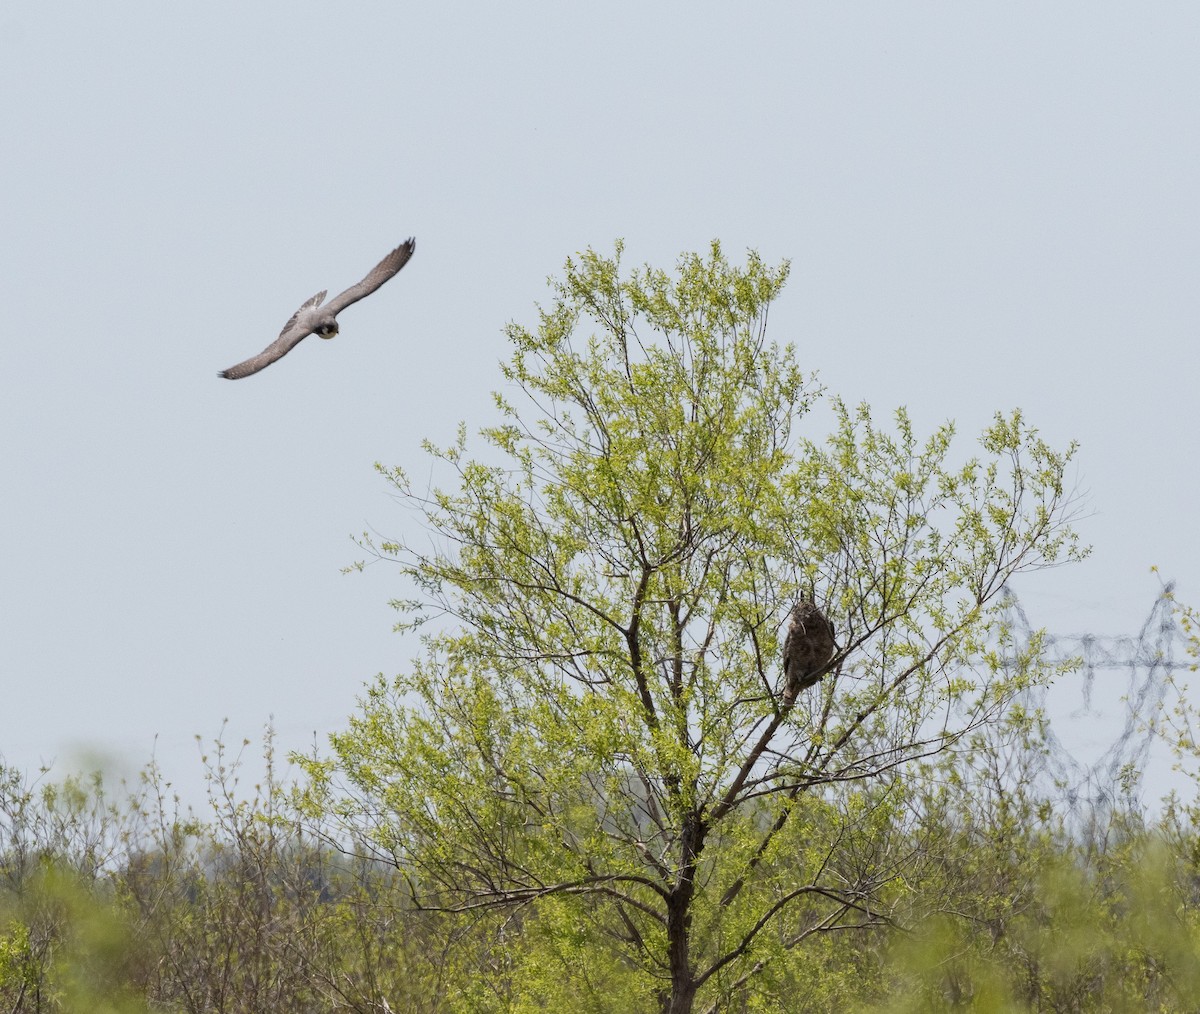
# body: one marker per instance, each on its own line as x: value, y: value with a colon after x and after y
x: 1090, y: 787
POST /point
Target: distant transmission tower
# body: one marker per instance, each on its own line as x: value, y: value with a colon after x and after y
x: 1089, y: 789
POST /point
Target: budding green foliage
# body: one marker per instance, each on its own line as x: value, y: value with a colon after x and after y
x: 596, y: 717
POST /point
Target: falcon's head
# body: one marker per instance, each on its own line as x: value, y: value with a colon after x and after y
x: 327, y: 330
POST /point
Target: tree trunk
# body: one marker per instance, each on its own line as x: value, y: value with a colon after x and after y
x: 679, y: 921
x: 681, y: 997
x: 682, y: 994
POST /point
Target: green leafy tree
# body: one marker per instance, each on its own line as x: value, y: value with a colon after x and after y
x: 599, y: 720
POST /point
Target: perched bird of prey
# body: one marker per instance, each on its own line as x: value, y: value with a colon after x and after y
x: 313, y: 318
x: 807, y: 649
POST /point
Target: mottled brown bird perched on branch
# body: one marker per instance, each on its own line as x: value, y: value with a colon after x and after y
x: 807, y: 649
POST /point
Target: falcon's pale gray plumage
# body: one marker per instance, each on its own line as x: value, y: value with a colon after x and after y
x: 807, y: 649
x: 313, y: 318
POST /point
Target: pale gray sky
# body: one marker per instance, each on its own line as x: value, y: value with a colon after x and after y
x: 986, y: 206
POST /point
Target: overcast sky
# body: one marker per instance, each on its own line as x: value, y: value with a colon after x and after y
x: 985, y: 205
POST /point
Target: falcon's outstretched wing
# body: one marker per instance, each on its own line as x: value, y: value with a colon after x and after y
x: 382, y: 271
x: 288, y: 339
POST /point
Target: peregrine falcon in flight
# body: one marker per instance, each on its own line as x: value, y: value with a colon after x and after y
x: 313, y: 318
